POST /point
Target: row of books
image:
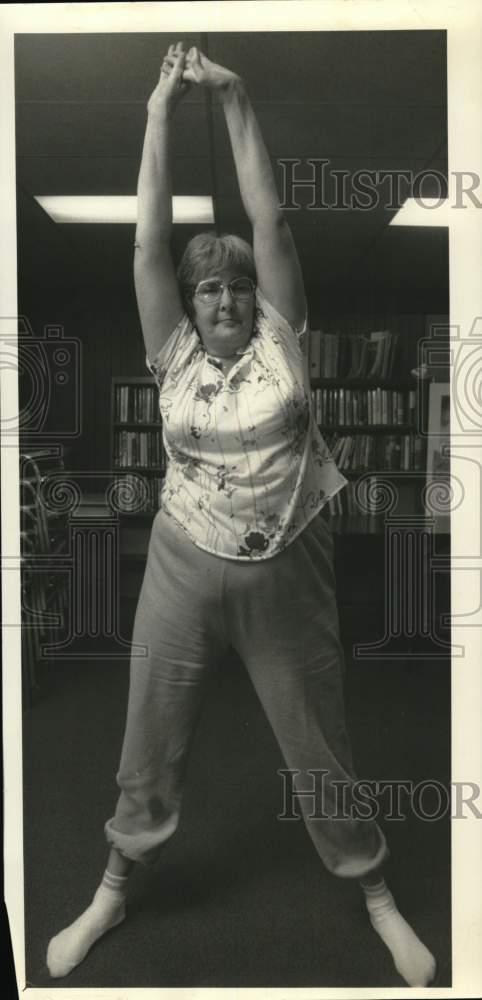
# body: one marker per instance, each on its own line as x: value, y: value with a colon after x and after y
x: 345, y: 502
x: 359, y: 407
x: 381, y: 451
x: 352, y: 355
x: 136, y: 403
x: 152, y: 486
x: 138, y: 449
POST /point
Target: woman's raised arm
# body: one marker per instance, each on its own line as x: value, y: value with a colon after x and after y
x: 158, y: 298
x: 277, y: 265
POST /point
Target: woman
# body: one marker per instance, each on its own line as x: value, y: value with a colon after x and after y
x: 238, y: 553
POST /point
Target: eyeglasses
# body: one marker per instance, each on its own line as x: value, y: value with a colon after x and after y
x: 211, y: 289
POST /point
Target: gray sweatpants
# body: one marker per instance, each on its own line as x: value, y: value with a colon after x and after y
x: 280, y: 615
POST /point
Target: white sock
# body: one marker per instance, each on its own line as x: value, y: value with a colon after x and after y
x: 107, y: 909
x: 411, y: 958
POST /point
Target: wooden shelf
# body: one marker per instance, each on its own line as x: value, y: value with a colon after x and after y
x: 136, y: 424
x: 157, y: 469
x: 363, y: 383
x: 357, y: 524
x: 369, y: 428
x: 376, y: 472
x: 133, y: 380
x: 144, y: 515
x: 372, y: 524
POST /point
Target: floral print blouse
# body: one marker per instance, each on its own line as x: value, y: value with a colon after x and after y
x: 247, y: 468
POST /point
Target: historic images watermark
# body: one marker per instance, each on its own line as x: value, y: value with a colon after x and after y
x: 364, y: 190
x: 428, y: 800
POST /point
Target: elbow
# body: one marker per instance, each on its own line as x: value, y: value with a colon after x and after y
x: 152, y: 237
x: 149, y: 251
x: 144, y: 254
x: 273, y: 221
x: 273, y: 229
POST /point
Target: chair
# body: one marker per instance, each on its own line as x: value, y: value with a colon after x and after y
x: 43, y: 535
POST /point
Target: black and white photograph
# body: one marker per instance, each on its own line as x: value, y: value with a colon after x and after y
x: 241, y: 452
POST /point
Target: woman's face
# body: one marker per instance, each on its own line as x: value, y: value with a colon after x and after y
x: 225, y: 326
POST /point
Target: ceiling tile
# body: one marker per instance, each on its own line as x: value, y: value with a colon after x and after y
x: 105, y: 174
x: 93, y: 67
x: 359, y: 67
x: 102, y: 130
x: 343, y: 131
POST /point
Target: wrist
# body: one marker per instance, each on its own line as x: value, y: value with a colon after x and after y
x: 231, y: 88
x: 159, y: 113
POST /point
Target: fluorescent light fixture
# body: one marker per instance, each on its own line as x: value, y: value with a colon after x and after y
x: 121, y: 208
x: 422, y: 212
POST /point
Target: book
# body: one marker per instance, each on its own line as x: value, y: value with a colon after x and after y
x: 376, y: 347
x: 390, y: 354
x: 360, y: 371
x: 315, y: 353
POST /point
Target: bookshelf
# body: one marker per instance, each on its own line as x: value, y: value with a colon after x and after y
x: 136, y: 449
x: 370, y: 419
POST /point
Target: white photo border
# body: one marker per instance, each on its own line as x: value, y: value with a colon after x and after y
x: 462, y: 20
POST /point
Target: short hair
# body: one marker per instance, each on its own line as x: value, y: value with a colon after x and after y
x: 206, y: 254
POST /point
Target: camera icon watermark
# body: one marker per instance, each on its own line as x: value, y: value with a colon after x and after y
x: 45, y: 403
x: 460, y: 359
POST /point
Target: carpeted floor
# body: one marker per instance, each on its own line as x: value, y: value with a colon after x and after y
x: 240, y: 899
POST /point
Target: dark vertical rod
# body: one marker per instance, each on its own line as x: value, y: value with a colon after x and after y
x: 211, y: 141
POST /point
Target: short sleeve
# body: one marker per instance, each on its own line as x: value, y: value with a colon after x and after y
x: 280, y: 323
x: 176, y: 352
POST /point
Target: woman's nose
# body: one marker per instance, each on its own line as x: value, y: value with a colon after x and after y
x: 227, y: 297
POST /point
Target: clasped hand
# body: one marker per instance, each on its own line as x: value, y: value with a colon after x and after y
x: 180, y: 69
